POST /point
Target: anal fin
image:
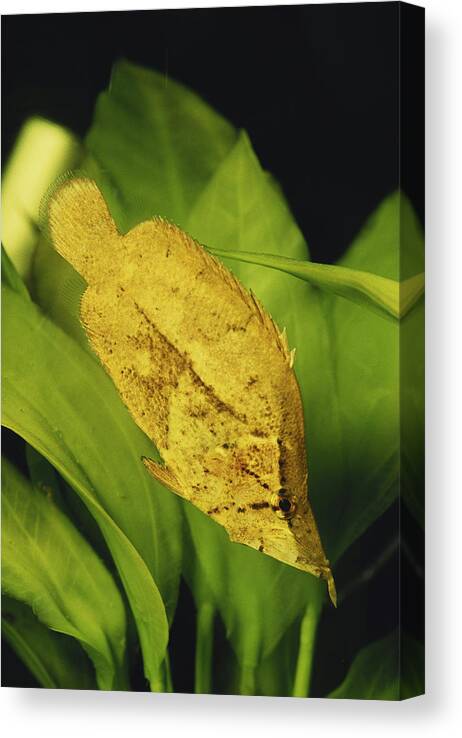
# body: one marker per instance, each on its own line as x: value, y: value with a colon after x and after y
x: 163, y: 475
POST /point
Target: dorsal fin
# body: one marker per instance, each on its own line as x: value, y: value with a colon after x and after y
x: 249, y: 299
x: 252, y: 301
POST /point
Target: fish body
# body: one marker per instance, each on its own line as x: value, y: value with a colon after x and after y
x: 203, y: 370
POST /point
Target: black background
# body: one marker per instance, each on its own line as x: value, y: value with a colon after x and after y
x: 317, y: 89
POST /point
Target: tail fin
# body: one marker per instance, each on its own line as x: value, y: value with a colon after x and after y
x: 80, y: 225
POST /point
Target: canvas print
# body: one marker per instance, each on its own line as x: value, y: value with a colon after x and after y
x: 212, y: 365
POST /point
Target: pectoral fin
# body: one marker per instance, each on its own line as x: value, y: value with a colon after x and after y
x: 163, y: 475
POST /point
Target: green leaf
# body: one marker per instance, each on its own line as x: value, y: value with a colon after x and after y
x: 379, y: 672
x: 379, y: 294
x: 369, y: 365
x: 43, y: 475
x: 48, y: 565
x: 391, y: 242
x: 62, y: 403
x: 155, y: 144
x: 11, y: 278
x: 56, y: 660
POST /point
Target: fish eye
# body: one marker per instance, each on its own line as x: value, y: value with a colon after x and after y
x: 284, y: 504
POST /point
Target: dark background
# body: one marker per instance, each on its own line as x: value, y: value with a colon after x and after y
x: 316, y: 87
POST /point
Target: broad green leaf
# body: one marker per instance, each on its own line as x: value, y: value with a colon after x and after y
x: 376, y: 293
x: 365, y: 361
x: 56, y: 660
x: 379, y: 672
x: 391, y: 242
x: 61, y: 402
x: 155, y: 144
x: 379, y: 375
x: 47, y: 565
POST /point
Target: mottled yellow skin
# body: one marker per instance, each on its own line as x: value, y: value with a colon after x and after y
x: 203, y: 370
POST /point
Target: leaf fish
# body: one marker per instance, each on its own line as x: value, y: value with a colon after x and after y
x: 202, y: 368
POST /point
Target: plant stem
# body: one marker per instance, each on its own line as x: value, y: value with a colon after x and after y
x: 157, y: 683
x: 162, y: 682
x: 204, y: 649
x: 168, y: 674
x: 247, y: 685
x: 306, y: 650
